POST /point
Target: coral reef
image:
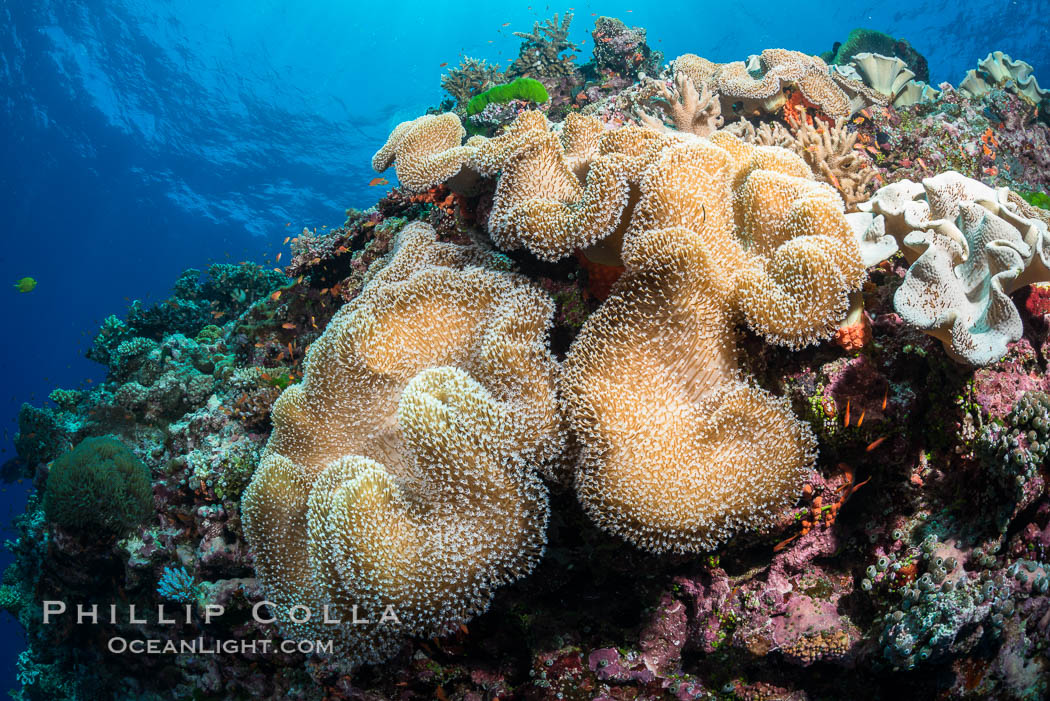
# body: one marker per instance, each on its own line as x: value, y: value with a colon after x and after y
x: 546, y: 51
x: 470, y: 78
x: 999, y: 70
x: 689, y: 111
x: 685, y: 340
x: 870, y: 41
x: 764, y: 83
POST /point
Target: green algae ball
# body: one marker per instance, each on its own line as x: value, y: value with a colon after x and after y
x: 99, y: 486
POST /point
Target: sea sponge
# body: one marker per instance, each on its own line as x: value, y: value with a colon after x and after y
x: 98, y: 487
x: 425, y: 151
x: 969, y: 249
x: 402, y: 470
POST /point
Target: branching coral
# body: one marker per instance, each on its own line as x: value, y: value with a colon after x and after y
x: 402, y: 470
x: 828, y: 150
x: 541, y: 54
x: 970, y: 249
x: 689, y: 111
x: 470, y: 78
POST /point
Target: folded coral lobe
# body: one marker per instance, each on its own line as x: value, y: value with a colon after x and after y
x: 402, y: 471
x: 679, y: 452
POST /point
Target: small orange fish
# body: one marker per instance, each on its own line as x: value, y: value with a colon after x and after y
x: 874, y: 444
x: 287, y: 325
x: 260, y: 344
x: 313, y: 323
x: 278, y: 260
x: 218, y: 314
x: 506, y: 24
x: 443, y: 64
x: 885, y: 396
x: 378, y: 181
x: 286, y: 240
x: 288, y: 224
x: 847, y: 414
x: 276, y: 295
x: 861, y: 420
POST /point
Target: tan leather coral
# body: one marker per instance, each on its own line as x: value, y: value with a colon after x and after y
x: 425, y: 151
x: 402, y: 470
x: 678, y: 451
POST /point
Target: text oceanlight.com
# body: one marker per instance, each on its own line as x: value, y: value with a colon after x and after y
x: 200, y: 646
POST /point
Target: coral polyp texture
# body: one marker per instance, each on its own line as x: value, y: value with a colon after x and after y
x: 788, y: 313
x: 403, y: 470
x: 679, y: 452
x: 719, y: 232
x: 425, y: 151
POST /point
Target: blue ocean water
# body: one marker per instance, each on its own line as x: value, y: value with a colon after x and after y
x: 140, y: 138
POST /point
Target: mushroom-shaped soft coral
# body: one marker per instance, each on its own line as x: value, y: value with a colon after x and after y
x: 425, y: 151
x: 402, y: 471
x: 678, y: 452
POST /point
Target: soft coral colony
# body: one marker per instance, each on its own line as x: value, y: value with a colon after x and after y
x: 691, y: 377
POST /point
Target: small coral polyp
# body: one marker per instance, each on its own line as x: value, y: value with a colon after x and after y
x: 402, y: 471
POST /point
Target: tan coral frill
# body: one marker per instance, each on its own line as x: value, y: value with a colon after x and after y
x: 679, y: 450
x: 402, y: 470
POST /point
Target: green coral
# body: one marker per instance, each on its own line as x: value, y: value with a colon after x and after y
x: 99, y: 486
x: 1036, y: 199
x: 11, y: 599
x: 520, y: 89
x: 870, y: 41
